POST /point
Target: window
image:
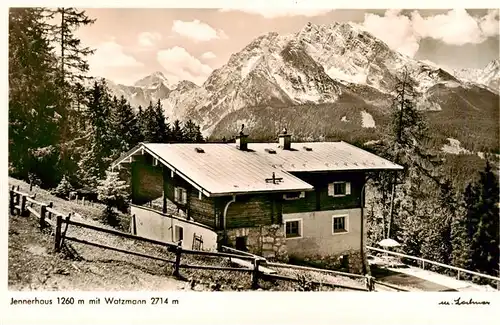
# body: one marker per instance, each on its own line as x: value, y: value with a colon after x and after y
x: 241, y: 243
x: 179, y: 233
x: 340, y: 224
x: 294, y: 195
x: 293, y: 228
x: 180, y: 195
x: 339, y: 189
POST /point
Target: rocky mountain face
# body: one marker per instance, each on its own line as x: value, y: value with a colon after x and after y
x: 150, y: 88
x: 329, y: 78
x: 489, y: 76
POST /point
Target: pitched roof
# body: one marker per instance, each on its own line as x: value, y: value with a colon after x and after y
x: 222, y: 169
x: 321, y: 156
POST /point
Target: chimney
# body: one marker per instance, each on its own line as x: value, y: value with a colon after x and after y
x: 242, y: 140
x: 285, y: 140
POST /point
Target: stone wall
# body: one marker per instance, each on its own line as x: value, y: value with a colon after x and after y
x: 266, y: 241
x: 350, y: 261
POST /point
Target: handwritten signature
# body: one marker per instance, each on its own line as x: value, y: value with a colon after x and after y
x: 461, y: 302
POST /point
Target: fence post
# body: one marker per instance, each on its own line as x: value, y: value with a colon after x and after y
x: 255, y: 273
x: 22, y: 211
x: 63, y: 234
x: 43, y: 211
x: 458, y: 275
x: 370, y: 283
x: 178, y: 252
x: 57, y: 235
x: 49, y: 214
x: 12, y: 202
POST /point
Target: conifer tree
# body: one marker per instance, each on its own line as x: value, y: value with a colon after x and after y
x: 163, y: 132
x: 177, y: 132
x: 406, y: 144
x: 149, y: 127
x: 113, y: 192
x: 97, y: 153
x: 482, y: 217
x: 192, y: 132
x: 72, y: 71
x: 124, y: 125
x: 64, y: 188
x: 34, y: 119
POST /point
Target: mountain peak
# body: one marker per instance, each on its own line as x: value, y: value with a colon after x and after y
x: 153, y: 80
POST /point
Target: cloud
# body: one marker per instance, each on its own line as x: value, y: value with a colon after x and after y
x: 395, y: 30
x: 110, y: 54
x: 181, y: 65
x: 208, y: 55
x: 148, y: 39
x: 197, y: 30
x: 275, y: 12
x: 456, y: 27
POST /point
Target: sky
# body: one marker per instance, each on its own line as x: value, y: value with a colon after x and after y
x: 190, y: 43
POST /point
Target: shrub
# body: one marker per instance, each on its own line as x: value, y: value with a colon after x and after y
x: 63, y: 189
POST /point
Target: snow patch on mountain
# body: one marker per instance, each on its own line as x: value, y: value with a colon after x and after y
x: 454, y: 147
x: 367, y: 120
x: 245, y: 70
x: 488, y: 76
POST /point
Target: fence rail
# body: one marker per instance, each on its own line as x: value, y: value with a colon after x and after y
x: 390, y: 286
x: 307, y: 268
x: 328, y: 284
x: 423, y: 260
x: 61, y: 222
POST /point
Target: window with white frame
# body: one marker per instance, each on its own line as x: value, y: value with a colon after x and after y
x: 178, y: 233
x: 340, y: 224
x: 339, y: 189
x: 293, y: 228
x: 180, y: 195
x: 294, y: 195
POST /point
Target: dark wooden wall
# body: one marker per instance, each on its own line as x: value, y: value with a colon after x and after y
x: 147, y: 181
x: 319, y: 200
x: 254, y: 210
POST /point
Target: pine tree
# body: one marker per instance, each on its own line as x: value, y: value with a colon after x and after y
x: 34, y: 119
x: 97, y: 153
x: 482, y: 205
x: 163, y: 132
x: 177, y: 132
x: 155, y: 128
x: 63, y: 189
x: 73, y: 67
x: 124, y: 125
x: 149, y: 127
x: 192, y: 132
x: 113, y: 192
x: 140, y: 123
x: 73, y: 63
x: 406, y: 143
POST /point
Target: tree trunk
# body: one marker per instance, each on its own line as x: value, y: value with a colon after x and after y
x: 391, y: 210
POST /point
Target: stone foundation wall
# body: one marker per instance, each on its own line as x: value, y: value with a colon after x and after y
x: 350, y: 261
x: 266, y: 241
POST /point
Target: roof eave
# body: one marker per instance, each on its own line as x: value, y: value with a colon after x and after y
x: 219, y: 194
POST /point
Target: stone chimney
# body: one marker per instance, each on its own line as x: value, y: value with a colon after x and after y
x: 242, y: 139
x: 285, y: 140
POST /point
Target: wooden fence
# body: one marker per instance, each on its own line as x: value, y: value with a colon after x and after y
x: 24, y: 204
x: 423, y: 261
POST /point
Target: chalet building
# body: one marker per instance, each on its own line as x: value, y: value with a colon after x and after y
x: 273, y: 199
